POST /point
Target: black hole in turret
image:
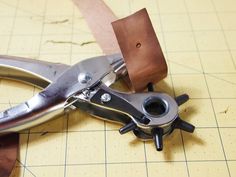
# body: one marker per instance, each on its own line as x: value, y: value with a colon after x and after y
x: 155, y: 106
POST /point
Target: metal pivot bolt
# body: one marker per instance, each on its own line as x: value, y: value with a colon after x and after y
x: 105, y: 97
x: 84, y: 78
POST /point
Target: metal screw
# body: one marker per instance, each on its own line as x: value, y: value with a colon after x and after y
x: 106, y: 98
x: 84, y: 78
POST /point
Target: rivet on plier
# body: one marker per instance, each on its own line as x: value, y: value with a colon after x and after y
x: 84, y: 78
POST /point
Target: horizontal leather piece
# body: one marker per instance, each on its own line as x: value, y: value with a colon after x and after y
x: 142, y: 52
x: 9, y: 145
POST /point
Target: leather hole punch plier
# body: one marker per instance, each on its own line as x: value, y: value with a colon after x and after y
x: 85, y: 85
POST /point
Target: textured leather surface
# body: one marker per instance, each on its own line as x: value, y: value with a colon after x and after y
x: 141, y: 50
x: 146, y: 63
x: 9, y: 145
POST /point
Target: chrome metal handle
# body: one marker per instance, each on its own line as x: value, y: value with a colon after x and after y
x: 34, y: 72
x: 37, y: 110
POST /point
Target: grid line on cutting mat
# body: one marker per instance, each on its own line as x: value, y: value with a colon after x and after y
x: 207, y: 85
x: 172, y: 86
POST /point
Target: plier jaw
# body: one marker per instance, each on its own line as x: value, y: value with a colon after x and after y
x: 85, y: 85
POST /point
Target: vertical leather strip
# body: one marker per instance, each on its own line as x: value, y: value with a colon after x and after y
x: 142, y: 52
x: 9, y: 145
x: 99, y: 17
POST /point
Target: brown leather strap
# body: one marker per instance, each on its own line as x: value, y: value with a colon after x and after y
x: 9, y: 145
x: 136, y: 37
x: 142, y: 52
x: 99, y: 17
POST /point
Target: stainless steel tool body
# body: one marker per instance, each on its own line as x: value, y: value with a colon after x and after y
x: 85, y: 85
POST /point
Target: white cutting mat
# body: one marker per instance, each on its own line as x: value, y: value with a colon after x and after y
x: 198, y: 38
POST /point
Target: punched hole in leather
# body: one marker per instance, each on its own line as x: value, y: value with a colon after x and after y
x: 141, y: 50
x: 136, y: 39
